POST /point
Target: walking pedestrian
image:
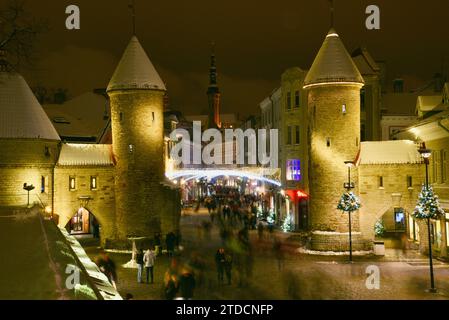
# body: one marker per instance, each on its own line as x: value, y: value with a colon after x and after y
x: 149, y: 259
x: 170, y: 243
x: 228, y: 266
x: 279, y: 254
x: 260, y: 230
x: 186, y: 284
x: 171, y: 285
x: 157, y: 244
x: 220, y: 262
x: 107, y: 266
x: 139, y: 260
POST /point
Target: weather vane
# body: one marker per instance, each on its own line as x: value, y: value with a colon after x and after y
x: 331, y: 3
x: 132, y: 7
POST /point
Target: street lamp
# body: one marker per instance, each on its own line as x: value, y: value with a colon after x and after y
x: 348, y: 186
x: 28, y: 188
x: 425, y: 154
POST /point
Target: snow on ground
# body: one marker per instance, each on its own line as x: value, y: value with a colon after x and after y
x: 334, y: 253
x: 34, y: 257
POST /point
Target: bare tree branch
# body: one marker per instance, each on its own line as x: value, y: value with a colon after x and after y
x: 18, y: 33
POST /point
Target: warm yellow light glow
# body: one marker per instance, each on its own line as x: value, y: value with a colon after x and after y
x: 347, y: 83
x: 48, y: 209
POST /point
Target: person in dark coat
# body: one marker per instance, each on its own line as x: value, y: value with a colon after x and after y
x: 171, y: 286
x: 170, y: 241
x: 220, y: 260
x: 186, y: 284
x: 228, y: 266
x: 139, y: 260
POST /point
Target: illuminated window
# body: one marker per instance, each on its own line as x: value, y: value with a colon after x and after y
x: 413, y: 228
x: 293, y: 170
x: 72, y: 183
x: 131, y: 148
x: 447, y: 233
x: 399, y: 219
x: 289, y: 100
x: 93, y: 183
x: 297, y: 100
x: 43, y: 184
x: 343, y: 109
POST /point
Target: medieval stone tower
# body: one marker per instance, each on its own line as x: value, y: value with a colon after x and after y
x: 333, y: 85
x: 137, y: 98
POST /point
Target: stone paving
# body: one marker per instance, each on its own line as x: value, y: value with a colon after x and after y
x: 402, y: 275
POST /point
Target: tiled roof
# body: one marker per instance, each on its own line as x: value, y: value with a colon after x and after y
x: 333, y: 64
x: 86, y: 155
x: 21, y: 115
x: 135, y: 70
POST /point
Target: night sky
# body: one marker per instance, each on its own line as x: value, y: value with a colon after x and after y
x: 255, y: 42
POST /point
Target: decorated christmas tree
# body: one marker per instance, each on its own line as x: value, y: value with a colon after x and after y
x: 379, y: 228
x: 349, y: 202
x: 428, y: 205
x: 271, y: 219
x: 288, y: 226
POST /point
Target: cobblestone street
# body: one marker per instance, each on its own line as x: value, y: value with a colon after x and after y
x: 300, y: 277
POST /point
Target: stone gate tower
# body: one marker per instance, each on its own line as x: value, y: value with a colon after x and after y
x: 333, y: 85
x: 137, y: 98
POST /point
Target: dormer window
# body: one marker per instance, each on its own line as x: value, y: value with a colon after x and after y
x: 61, y: 120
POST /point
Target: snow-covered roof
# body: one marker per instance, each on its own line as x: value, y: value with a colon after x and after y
x: 432, y: 128
x: 428, y: 103
x: 86, y: 155
x: 82, y: 116
x: 135, y: 70
x: 333, y: 64
x: 389, y: 152
x: 21, y: 115
x: 365, y: 62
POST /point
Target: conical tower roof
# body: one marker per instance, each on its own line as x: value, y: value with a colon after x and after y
x: 135, y: 70
x: 333, y: 65
x: 21, y: 115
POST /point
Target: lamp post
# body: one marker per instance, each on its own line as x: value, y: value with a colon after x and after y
x: 348, y: 186
x: 28, y: 188
x: 425, y: 154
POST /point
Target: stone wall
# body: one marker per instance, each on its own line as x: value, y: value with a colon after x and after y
x: 26, y: 161
x: 99, y: 202
x: 138, y: 141
x: 331, y: 241
x: 379, y: 202
x: 334, y: 137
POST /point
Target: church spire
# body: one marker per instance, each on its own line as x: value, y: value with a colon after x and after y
x: 213, y: 67
x: 213, y: 92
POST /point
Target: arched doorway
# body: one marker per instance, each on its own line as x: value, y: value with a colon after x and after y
x: 83, y: 222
